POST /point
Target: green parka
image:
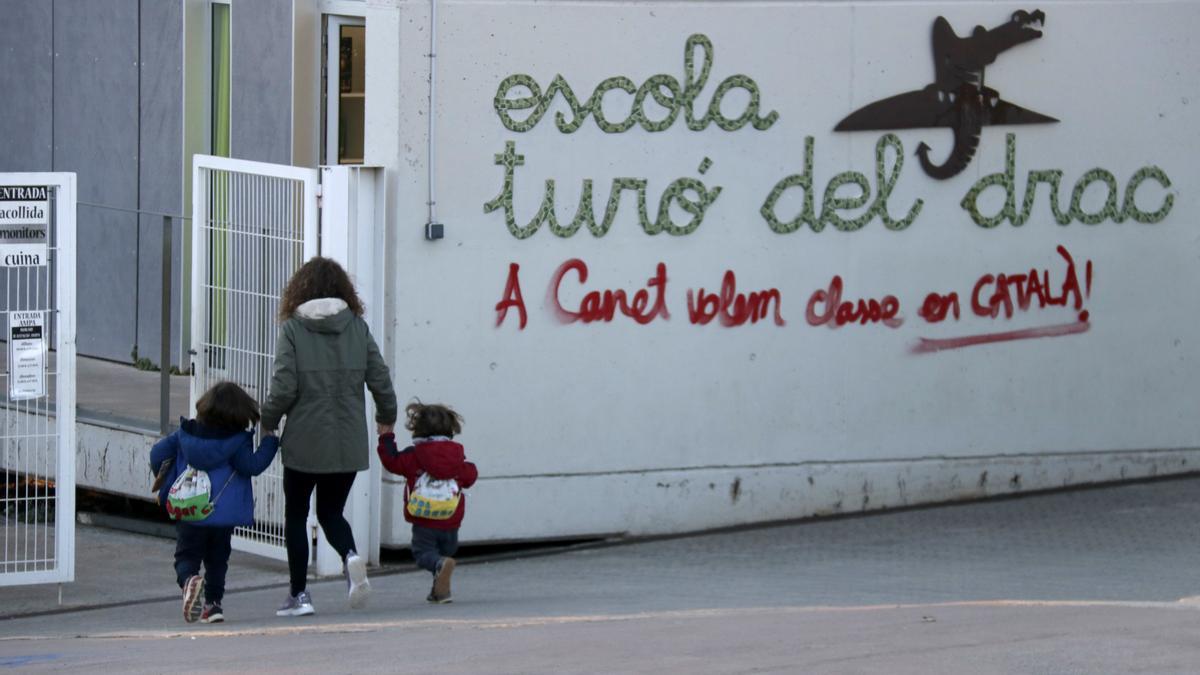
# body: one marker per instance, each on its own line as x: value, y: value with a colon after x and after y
x: 324, y: 356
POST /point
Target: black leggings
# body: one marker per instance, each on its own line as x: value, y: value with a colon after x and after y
x: 332, y: 491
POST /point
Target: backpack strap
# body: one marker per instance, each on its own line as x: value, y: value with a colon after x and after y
x: 227, y: 482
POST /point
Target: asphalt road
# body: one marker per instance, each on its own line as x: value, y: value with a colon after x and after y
x: 1093, y: 581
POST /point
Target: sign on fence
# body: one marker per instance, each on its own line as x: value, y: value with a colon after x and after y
x: 24, y: 220
x: 37, y: 400
x: 26, y: 355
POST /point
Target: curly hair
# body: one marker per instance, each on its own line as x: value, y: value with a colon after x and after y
x: 318, y: 278
x: 432, y: 419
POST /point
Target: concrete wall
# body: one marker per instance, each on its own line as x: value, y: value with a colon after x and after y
x: 678, y: 424
x: 96, y: 136
x: 261, y: 71
x: 99, y: 92
x: 26, y: 51
x: 110, y: 108
x: 161, y: 185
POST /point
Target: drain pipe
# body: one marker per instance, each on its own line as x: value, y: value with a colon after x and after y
x: 433, y: 229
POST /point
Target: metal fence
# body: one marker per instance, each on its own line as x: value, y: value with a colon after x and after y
x: 254, y: 224
x: 37, y: 431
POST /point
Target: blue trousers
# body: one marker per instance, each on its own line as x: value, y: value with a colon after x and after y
x: 429, y: 546
x: 208, y: 545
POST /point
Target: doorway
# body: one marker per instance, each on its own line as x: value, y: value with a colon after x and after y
x: 345, y: 43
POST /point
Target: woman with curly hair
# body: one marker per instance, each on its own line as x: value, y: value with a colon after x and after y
x: 324, y: 357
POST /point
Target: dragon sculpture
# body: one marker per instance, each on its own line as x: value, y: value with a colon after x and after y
x: 958, y: 97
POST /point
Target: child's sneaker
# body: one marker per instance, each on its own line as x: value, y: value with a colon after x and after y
x: 299, y: 604
x: 193, y: 598
x: 441, y: 582
x: 356, y: 580
x: 212, y: 613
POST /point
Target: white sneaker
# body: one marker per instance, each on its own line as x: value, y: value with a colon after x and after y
x: 299, y: 604
x: 356, y: 577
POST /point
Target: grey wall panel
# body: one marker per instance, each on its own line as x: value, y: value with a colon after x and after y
x: 160, y: 170
x: 106, y: 276
x: 95, y: 135
x: 26, y: 62
x: 261, y: 74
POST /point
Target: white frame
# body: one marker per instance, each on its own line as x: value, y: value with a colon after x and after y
x: 208, y: 163
x: 64, y: 343
x: 332, y: 110
x: 352, y: 202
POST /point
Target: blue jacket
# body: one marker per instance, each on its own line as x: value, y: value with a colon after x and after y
x: 227, y: 456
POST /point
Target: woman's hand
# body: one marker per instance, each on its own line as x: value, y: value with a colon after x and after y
x: 382, y: 429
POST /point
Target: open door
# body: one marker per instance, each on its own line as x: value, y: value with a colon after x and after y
x: 345, y: 89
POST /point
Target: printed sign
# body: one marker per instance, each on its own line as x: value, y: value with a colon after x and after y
x: 26, y: 355
x: 24, y: 220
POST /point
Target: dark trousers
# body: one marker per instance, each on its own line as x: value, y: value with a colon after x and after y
x: 430, y: 545
x: 332, y: 490
x: 209, y: 545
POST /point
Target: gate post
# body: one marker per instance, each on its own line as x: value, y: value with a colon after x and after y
x: 351, y: 207
x: 37, y: 439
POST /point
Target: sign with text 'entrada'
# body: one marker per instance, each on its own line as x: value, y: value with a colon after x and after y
x: 26, y: 355
x: 24, y: 221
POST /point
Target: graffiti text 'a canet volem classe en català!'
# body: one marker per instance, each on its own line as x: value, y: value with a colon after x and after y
x: 676, y: 101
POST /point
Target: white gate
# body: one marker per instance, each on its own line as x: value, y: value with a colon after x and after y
x: 37, y: 308
x: 253, y: 225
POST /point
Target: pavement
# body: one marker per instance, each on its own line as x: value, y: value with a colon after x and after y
x: 1100, y: 580
x: 118, y: 393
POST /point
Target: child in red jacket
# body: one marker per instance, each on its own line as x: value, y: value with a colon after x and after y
x: 434, y: 538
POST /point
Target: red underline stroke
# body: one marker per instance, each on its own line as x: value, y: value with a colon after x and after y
x: 930, y: 345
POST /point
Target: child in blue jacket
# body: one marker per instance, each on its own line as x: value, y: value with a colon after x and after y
x: 216, y: 442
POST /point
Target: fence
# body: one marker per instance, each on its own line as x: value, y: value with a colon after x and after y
x: 37, y: 432
x: 254, y: 225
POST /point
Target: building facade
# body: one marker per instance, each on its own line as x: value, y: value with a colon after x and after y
x: 699, y: 264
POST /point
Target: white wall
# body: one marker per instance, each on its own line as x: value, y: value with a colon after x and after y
x: 586, y: 428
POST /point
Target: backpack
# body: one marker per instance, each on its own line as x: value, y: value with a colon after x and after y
x: 189, y: 497
x: 433, y: 499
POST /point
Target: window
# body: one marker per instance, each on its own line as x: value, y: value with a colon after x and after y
x: 220, y: 81
x: 345, y: 90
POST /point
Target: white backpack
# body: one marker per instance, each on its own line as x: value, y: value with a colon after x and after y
x: 433, y: 499
x: 189, y: 498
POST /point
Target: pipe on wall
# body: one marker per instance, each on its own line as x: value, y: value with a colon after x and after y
x: 432, y: 108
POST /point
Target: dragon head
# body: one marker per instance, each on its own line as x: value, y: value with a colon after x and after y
x: 1027, y: 24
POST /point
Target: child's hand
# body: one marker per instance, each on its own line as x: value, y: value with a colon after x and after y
x: 382, y: 429
x: 263, y: 433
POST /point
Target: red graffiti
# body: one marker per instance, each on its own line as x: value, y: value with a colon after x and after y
x: 512, y: 298
x: 1006, y: 293
x: 603, y: 306
x: 839, y: 313
x: 733, y: 308
x: 929, y: 345
x: 937, y: 306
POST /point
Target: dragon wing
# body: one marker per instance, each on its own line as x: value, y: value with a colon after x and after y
x: 922, y: 109
x: 918, y: 109
x: 1004, y: 112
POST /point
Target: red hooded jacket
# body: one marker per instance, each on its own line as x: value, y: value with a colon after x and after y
x: 441, y: 458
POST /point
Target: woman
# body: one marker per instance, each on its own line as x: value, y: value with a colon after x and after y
x: 324, y: 356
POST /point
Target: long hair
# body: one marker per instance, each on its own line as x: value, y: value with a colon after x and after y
x: 227, y: 407
x: 318, y: 278
x: 432, y: 419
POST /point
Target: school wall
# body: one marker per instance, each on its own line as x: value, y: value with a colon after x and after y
x: 594, y: 426
x: 98, y: 87
x: 94, y: 87
x: 261, y: 74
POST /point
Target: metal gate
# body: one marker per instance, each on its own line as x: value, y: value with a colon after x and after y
x: 254, y: 224
x: 37, y: 307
